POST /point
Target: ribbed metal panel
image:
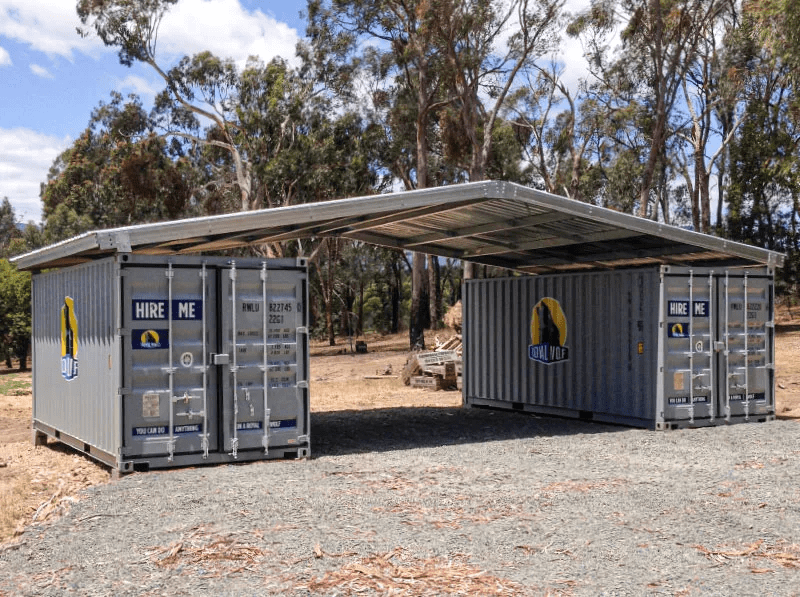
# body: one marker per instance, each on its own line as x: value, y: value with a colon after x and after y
x: 85, y: 406
x: 717, y: 343
x: 655, y: 347
x: 145, y: 361
x: 611, y: 339
x: 494, y: 223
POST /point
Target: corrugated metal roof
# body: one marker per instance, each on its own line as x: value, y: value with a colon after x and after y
x: 492, y: 223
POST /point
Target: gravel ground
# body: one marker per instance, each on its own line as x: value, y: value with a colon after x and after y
x: 443, y: 501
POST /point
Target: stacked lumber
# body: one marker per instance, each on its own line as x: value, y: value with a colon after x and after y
x: 453, y: 343
x: 439, y: 369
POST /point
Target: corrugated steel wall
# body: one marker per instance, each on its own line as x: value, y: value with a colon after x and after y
x: 611, y: 325
x: 128, y: 342
x: 84, y: 406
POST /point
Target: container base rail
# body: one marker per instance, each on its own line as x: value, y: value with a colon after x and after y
x: 612, y: 419
x: 41, y: 433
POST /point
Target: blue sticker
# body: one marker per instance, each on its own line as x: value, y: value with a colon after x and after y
x: 149, y: 339
x: 156, y: 310
x: 190, y: 428
x: 681, y: 309
x: 151, y: 430
x: 258, y: 425
x: 150, y: 309
x: 740, y: 397
x: 678, y: 330
x: 183, y: 310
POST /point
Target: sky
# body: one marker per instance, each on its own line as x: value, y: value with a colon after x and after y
x: 51, y: 78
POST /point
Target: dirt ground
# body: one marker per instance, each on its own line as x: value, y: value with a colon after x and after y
x: 39, y: 483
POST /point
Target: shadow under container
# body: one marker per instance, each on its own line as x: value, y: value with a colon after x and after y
x: 150, y: 362
x: 664, y: 347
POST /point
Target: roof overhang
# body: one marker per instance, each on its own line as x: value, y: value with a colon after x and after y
x: 492, y: 223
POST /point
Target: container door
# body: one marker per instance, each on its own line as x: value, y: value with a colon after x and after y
x: 264, y: 404
x: 746, y: 345
x: 170, y: 389
x: 688, y: 372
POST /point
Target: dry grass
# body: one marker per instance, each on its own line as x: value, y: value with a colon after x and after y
x: 375, y: 343
x: 217, y: 555
x: 583, y: 486
x: 782, y: 553
x: 398, y: 573
x: 374, y: 394
x: 38, y: 483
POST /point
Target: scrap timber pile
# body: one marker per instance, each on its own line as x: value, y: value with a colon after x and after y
x: 439, y: 369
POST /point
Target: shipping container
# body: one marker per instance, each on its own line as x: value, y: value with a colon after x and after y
x: 661, y: 347
x: 150, y: 362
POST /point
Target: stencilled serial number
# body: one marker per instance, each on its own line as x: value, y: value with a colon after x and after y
x: 280, y: 307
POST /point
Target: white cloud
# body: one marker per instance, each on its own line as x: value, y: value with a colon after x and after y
x: 140, y: 85
x: 227, y: 30
x: 45, y: 25
x: 222, y: 26
x: 25, y: 158
x: 5, y: 58
x: 41, y: 71
x: 575, y: 68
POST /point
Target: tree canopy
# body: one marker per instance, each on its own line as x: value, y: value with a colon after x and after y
x: 684, y: 111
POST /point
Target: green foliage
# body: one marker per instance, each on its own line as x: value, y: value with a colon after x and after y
x: 117, y: 173
x: 764, y: 184
x: 778, y: 29
x: 8, y: 226
x: 15, y: 313
x: 128, y: 25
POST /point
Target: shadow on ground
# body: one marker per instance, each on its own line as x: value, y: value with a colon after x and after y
x: 381, y: 430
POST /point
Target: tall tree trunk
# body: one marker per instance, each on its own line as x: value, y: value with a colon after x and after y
x: 397, y: 285
x: 415, y: 329
x: 721, y: 187
x: 416, y: 333
x: 360, y: 324
x: 705, y: 201
x: 434, y: 292
x: 329, y: 321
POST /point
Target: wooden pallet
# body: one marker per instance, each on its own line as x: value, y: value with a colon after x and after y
x: 427, y: 382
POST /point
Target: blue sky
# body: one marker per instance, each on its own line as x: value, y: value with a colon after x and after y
x: 51, y: 79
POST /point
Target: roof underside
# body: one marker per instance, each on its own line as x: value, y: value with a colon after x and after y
x: 491, y: 223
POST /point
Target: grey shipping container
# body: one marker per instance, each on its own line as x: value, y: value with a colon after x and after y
x: 149, y: 362
x: 665, y: 347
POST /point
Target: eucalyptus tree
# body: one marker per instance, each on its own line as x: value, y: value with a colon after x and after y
x: 401, y: 38
x: 488, y: 45
x: 116, y: 173
x: 200, y: 103
x: 763, y: 204
x: 560, y: 132
x: 660, y: 42
x: 713, y: 91
x: 778, y: 28
x: 8, y: 225
x: 15, y: 314
x: 764, y: 186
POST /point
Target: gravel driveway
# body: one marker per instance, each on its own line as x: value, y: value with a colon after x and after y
x: 431, y: 501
